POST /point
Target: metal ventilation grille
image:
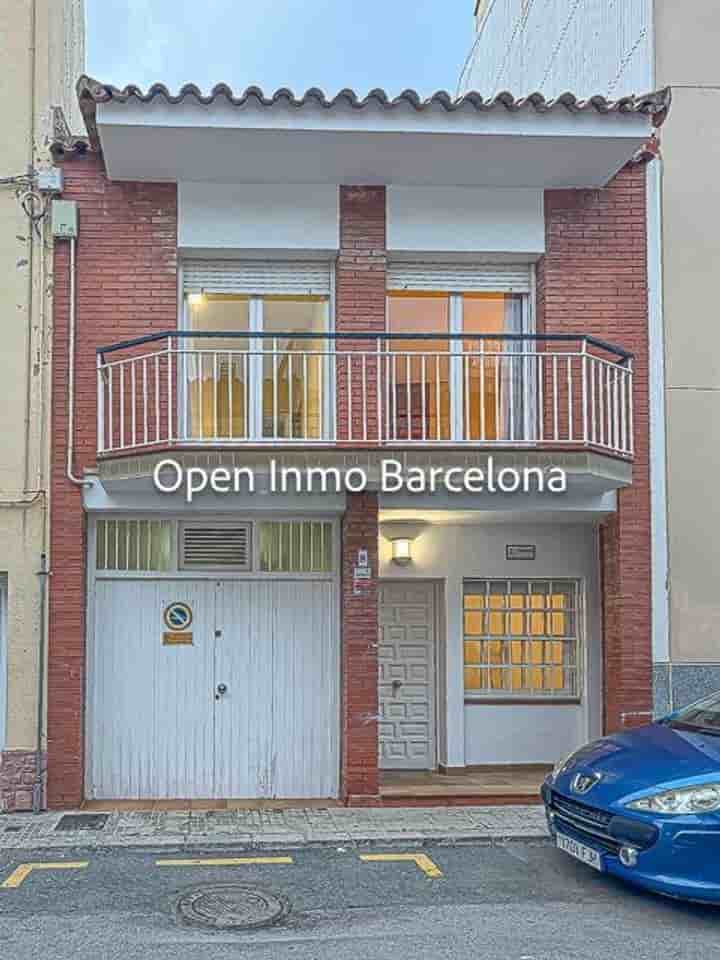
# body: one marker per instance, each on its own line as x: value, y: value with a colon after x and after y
x: 215, y: 547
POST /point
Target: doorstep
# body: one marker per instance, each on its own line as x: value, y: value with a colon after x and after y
x: 274, y: 828
x: 499, y: 785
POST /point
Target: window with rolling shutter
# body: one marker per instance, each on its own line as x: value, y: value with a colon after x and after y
x: 459, y: 277
x: 257, y: 277
x: 215, y: 546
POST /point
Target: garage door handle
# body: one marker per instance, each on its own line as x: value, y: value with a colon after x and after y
x: 221, y: 690
x: 396, y: 684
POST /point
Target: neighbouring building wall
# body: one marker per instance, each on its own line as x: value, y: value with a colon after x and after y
x: 588, y: 47
x: 41, y: 49
x: 686, y: 58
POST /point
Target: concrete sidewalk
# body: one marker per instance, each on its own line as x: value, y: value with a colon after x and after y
x: 271, y: 828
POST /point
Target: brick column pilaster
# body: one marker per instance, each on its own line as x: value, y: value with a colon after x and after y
x: 359, y: 650
x: 360, y: 299
x: 593, y: 279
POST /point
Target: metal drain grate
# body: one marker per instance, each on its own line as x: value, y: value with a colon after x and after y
x: 231, y: 906
x: 82, y: 821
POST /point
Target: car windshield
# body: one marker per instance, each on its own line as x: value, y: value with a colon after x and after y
x: 702, y: 715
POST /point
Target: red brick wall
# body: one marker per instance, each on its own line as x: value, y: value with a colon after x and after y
x: 359, y: 650
x: 126, y: 286
x: 593, y: 279
x: 360, y: 299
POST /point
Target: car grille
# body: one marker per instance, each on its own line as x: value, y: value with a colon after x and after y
x: 587, y: 823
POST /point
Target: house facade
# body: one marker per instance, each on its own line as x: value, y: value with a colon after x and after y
x: 629, y: 47
x: 317, y: 362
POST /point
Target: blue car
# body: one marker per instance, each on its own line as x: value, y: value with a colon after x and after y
x: 644, y: 805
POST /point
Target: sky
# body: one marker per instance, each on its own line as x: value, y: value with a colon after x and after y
x: 330, y: 44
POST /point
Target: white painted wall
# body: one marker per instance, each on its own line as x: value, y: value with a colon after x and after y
x: 465, y: 220
x: 281, y: 217
x: 477, y: 734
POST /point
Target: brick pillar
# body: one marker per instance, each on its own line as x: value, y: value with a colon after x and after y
x: 360, y: 304
x: 359, y: 650
x: 624, y: 540
x: 593, y: 279
x: 360, y: 299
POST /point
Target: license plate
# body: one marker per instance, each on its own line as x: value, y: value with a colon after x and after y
x: 578, y: 850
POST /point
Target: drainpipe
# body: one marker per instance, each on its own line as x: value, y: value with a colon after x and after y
x: 71, y: 374
x: 37, y: 791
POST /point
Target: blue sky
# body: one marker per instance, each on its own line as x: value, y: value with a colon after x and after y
x: 298, y: 43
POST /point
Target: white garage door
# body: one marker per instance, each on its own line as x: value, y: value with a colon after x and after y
x: 249, y: 708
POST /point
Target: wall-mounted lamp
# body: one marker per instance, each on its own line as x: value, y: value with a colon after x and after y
x: 197, y: 299
x: 401, y: 550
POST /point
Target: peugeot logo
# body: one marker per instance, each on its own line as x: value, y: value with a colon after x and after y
x: 582, y: 782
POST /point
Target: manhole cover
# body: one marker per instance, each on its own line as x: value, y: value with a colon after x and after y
x: 228, y: 906
x: 82, y: 821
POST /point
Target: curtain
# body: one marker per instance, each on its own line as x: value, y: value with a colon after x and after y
x: 514, y: 376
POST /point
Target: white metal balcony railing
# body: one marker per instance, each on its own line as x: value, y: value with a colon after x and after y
x: 220, y: 389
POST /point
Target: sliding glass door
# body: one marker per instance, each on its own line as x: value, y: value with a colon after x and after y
x: 244, y: 387
x: 462, y: 387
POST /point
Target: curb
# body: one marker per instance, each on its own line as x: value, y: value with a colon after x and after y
x: 178, y: 844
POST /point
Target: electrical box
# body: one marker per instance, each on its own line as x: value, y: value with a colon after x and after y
x: 64, y: 218
x: 50, y: 180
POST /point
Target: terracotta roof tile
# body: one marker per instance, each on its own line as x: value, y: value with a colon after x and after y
x: 91, y: 92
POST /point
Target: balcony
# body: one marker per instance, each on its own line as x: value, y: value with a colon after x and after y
x: 226, y: 390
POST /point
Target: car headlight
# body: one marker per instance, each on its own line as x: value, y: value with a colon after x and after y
x: 705, y: 798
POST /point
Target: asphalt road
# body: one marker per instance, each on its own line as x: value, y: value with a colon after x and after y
x: 518, y: 901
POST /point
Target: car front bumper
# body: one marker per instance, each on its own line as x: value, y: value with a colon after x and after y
x: 678, y: 857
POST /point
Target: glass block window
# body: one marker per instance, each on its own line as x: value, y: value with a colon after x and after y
x: 521, y: 638
x: 295, y: 546
x: 133, y: 544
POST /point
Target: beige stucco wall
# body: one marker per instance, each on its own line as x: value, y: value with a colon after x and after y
x: 686, y: 58
x: 41, y: 50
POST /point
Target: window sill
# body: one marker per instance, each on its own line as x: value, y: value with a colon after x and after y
x: 523, y: 701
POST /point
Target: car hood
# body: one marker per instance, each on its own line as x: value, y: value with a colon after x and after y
x: 640, y: 759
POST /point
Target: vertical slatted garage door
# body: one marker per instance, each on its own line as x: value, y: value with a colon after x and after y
x: 157, y: 726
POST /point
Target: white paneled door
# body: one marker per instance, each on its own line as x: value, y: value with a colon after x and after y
x: 406, y: 682
x: 249, y: 708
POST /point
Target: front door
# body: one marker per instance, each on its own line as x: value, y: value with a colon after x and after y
x: 406, y: 682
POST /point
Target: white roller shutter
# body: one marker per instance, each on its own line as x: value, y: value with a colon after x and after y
x: 257, y: 277
x: 459, y: 278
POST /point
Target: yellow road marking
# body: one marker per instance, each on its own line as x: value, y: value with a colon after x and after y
x: 421, y: 860
x: 25, y: 869
x: 225, y: 862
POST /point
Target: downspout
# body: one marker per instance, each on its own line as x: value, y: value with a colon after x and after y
x: 78, y: 481
x: 38, y: 786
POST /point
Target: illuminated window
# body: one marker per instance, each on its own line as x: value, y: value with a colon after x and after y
x: 521, y: 638
x: 270, y: 387
x: 474, y: 389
